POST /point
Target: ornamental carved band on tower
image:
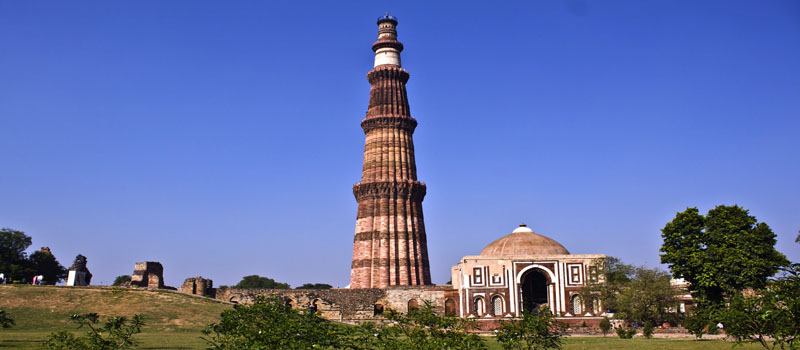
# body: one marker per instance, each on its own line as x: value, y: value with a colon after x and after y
x: 390, y: 247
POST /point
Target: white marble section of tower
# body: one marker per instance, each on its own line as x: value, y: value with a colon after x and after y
x: 386, y: 53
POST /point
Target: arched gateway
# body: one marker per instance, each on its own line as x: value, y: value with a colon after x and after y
x: 533, y: 290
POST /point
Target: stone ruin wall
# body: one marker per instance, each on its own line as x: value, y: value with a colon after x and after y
x: 351, y: 306
x: 203, y: 287
x: 148, y: 274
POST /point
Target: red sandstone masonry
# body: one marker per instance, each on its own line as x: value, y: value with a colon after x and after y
x: 389, y: 247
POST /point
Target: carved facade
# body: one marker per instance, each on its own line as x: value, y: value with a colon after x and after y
x: 526, y: 271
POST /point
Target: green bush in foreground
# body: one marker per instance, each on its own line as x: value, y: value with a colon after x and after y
x: 271, y: 324
x: 5, y: 320
x: 422, y: 328
x: 115, y: 334
x: 626, y: 333
x: 770, y: 316
x: 534, y: 331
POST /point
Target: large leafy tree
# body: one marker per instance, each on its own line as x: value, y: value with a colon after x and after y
x: 13, y: 260
x: 725, y: 251
x: 258, y: 282
x: 44, y: 263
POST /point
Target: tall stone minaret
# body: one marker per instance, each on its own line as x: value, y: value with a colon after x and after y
x: 390, y: 248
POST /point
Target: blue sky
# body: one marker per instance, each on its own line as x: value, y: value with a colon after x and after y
x: 222, y: 138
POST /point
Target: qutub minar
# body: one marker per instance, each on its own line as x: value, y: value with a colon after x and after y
x: 390, y: 247
x: 521, y: 271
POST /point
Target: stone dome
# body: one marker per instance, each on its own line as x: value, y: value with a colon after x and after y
x: 523, y: 241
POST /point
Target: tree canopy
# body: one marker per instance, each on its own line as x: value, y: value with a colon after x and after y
x: 315, y: 286
x: 258, y: 282
x: 724, y: 251
x: 45, y: 264
x: 13, y: 260
x: 633, y: 293
x: 119, y: 280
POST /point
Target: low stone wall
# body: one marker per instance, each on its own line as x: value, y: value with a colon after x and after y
x: 345, y: 305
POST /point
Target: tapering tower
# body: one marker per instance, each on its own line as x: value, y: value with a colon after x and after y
x: 390, y: 248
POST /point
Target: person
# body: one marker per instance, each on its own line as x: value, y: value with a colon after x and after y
x: 35, y: 280
x: 2, y: 278
x: 40, y: 279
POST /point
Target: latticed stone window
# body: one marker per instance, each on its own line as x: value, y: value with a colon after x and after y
x: 477, y: 305
x: 497, y: 306
x: 576, y: 304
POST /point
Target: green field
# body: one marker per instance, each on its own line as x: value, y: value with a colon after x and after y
x: 174, y: 320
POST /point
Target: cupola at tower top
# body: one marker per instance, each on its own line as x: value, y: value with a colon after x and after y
x: 387, y: 48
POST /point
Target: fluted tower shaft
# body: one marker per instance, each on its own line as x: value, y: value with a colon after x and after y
x: 390, y: 247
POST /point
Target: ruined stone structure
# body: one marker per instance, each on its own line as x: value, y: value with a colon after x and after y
x: 78, y: 274
x: 198, y: 286
x: 524, y: 271
x: 390, y: 247
x: 148, y: 274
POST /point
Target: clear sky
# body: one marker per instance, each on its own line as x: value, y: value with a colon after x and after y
x: 222, y: 138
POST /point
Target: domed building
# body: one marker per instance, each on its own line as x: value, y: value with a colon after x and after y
x: 525, y: 271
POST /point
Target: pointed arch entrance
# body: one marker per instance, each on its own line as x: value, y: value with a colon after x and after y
x: 533, y: 290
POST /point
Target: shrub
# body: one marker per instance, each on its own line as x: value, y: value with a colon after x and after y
x: 605, y: 326
x: 535, y: 330
x: 269, y: 324
x: 115, y: 334
x: 647, y: 330
x: 422, y: 328
x: 121, y: 279
x: 626, y: 333
x: 5, y: 320
x: 696, y: 324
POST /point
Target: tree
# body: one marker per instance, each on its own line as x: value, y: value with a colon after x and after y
x: 115, y: 334
x: 605, y: 326
x: 5, y: 320
x: 636, y: 294
x: 315, y: 286
x: 422, y: 328
x: 13, y: 260
x: 44, y: 263
x: 769, y: 314
x: 647, y: 297
x: 698, y: 322
x: 725, y: 251
x: 270, y: 324
x: 258, y: 282
x: 536, y: 330
x: 614, y: 276
x: 121, y: 279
